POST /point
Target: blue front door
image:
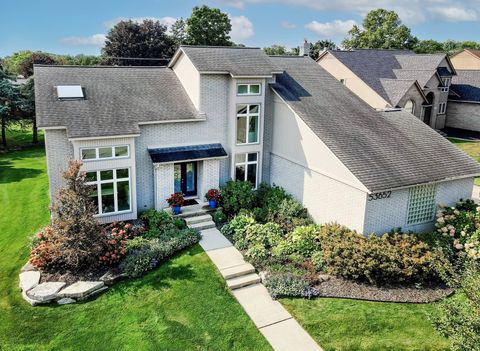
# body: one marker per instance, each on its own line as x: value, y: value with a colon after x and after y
x: 185, y: 178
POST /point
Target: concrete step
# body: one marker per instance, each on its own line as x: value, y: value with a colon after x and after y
x: 243, y: 281
x: 198, y: 219
x: 237, y: 271
x: 202, y: 225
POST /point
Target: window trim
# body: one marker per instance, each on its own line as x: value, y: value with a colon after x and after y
x: 414, y: 105
x: 245, y: 164
x: 248, y: 93
x: 246, y: 116
x: 97, y: 153
x: 442, y: 108
x: 113, y: 181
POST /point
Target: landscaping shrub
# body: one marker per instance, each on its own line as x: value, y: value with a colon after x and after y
x: 161, y: 224
x: 117, y: 235
x: 302, y: 241
x: 268, y: 199
x: 291, y: 214
x: 391, y: 258
x: 146, y: 254
x: 219, y: 217
x: 237, y: 195
x: 235, y: 229
x: 75, y: 240
x: 289, y: 285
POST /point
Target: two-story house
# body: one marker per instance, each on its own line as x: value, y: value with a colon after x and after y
x: 387, y: 79
x: 220, y: 113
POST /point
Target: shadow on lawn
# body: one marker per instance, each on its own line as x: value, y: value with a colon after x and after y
x: 9, y: 174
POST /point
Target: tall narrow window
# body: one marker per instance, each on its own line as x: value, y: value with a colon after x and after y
x: 246, y: 167
x: 248, y: 118
x: 111, y: 190
x: 410, y: 106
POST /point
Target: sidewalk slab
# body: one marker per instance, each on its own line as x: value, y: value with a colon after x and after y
x: 259, y: 305
x: 212, y: 239
x: 225, y: 257
x: 289, y: 336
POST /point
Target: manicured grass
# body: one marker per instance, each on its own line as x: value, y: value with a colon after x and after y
x: 183, y: 305
x: 342, y: 324
x: 21, y: 136
x: 470, y: 147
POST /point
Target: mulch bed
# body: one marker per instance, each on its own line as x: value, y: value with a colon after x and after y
x: 70, y: 278
x: 342, y: 288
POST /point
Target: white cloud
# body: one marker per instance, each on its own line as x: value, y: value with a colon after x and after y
x: 410, y: 11
x: 335, y: 29
x: 167, y: 20
x: 242, y: 28
x: 454, y: 14
x: 288, y: 25
x: 93, y: 40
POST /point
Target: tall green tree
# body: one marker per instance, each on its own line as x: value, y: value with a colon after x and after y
x: 10, y: 103
x: 12, y: 63
x: 178, y: 31
x: 382, y: 29
x: 208, y: 26
x: 26, y: 67
x: 145, y: 40
x: 275, y: 49
x: 320, y: 45
x: 28, y: 106
x: 428, y: 47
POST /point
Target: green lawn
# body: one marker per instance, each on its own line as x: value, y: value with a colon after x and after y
x: 342, y: 324
x: 183, y: 305
x: 21, y: 136
x: 470, y: 147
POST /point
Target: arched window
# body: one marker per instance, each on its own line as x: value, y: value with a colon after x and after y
x: 410, y: 106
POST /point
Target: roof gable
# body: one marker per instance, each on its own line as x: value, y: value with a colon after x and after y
x: 466, y: 86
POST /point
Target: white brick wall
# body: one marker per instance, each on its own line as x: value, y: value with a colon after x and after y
x: 163, y: 184
x: 59, y: 151
x: 383, y: 215
x: 208, y: 176
x: 326, y: 199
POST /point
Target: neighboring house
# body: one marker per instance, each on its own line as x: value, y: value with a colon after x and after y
x: 221, y: 113
x: 463, y: 110
x: 387, y: 79
x: 466, y: 59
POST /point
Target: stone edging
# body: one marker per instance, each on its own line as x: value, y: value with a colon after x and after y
x: 36, y: 293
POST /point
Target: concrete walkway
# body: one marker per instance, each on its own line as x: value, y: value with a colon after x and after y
x: 271, y: 318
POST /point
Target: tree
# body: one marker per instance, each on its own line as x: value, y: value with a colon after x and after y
x: 178, y: 32
x: 26, y: 67
x: 317, y: 47
x: 145, y: 40
x: 208, y: 26
x: 275, y: 49
x: 10, y: 102
x: 28, y: 106
x: 75, y: 240
x: 382, y: 29
x: 428, y: 47
x: 459, y: 317
x: 11, y: 64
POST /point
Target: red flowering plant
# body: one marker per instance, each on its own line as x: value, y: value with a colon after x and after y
x: 46, y: 246
x: 175, y: 200
x: 213, y: 194
x: 115, y: 243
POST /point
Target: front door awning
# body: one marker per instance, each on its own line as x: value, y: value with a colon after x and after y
x: 186, y: 153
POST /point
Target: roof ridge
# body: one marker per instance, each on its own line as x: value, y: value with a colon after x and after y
x: 97, y: 66
x: 218, y: 47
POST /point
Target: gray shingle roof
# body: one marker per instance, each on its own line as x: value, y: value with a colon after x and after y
x: 117, y: 99
x: 373, y: 65
x: 234, y: 60
x: 384, y: 150
x: 396, y: 88
x: 466, y: 84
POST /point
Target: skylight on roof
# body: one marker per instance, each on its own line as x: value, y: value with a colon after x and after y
x: 70, y: 92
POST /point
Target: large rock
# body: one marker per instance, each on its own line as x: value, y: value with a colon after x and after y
x: 28, y: 267
x: 29, y: 280
x: 66, y: 301
x: 111, y: 277
x: 93, y: 293
x: 45, y: 292
x: 80, y: 289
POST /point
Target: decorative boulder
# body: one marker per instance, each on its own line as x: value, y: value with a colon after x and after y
x: 66, y: 301
x: 80, y: 289
x: 29, y: 280
x: 45, y: 292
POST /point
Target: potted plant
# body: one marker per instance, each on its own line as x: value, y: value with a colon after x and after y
x: 213, y: 196
x: 175, y: 201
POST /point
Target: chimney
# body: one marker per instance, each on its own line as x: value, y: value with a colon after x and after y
x: 304, y: 48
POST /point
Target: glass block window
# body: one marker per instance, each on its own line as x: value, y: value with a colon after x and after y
x: 421, y: 204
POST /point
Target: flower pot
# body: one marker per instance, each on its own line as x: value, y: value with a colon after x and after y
x: 212, y: 203
x: 176, y: 210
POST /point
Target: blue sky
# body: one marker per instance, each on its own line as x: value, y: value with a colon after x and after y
x: 79, y: 27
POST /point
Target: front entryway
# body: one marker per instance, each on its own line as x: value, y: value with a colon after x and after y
x: 185, y: 178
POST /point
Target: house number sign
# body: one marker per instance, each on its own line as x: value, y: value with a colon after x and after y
x: 379, y: 196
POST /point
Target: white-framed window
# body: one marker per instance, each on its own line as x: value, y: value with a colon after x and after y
x: 446, y: 81
x: 443, y: 89
x: 246, y: 167
x: 111, y: 190
x: 249, y: 89
x: 410, y: 106
x: 421, y: 204
x: 248, y: 123
x: 442, y: 108
x: 104, y: 152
